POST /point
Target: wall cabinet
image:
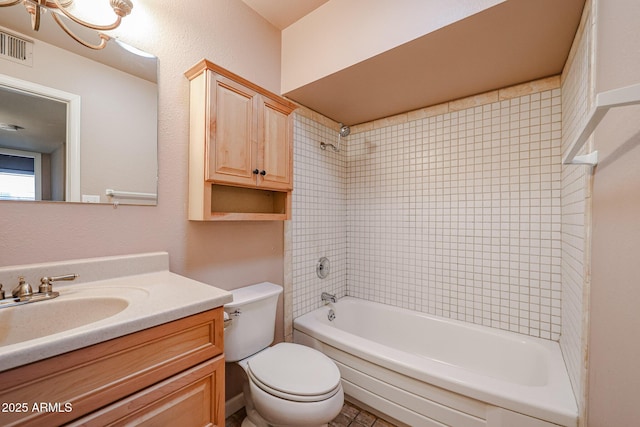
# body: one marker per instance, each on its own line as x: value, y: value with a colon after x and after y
x: 240, y: 148
x: 156, y: 376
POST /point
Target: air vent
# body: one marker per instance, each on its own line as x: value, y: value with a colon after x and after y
x: 16, y: 49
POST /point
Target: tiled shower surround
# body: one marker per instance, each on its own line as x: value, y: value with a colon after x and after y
x: 458, y: 215
x: 452, y: 213
x: 319, y: 226
x: 576, y: 199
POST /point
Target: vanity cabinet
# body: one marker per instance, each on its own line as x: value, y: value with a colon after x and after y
x: 172, y: 374
x: 240, y: 148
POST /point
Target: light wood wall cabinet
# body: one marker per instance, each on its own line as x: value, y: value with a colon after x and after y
x: 172, y: 374
x: 240, y: 148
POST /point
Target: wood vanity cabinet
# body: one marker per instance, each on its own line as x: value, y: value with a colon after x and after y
x: 172, y: 374
x: 240, y: 148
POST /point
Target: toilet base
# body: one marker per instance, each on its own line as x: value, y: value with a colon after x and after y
x: 248, y: 423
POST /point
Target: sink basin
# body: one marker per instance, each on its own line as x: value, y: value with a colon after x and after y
x: 113, y: 297
x: 43, y: 318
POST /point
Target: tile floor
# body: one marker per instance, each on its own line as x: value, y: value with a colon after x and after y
x: 350, y: 416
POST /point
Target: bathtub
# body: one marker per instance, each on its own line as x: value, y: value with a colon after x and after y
x: 424, y: 370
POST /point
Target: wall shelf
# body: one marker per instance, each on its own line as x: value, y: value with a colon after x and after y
x: 628, y: 95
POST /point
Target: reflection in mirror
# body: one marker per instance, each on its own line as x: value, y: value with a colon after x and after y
x: 72, y: 127
x: 34, y: 143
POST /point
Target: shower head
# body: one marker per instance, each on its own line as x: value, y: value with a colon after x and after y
x: 344, y: 130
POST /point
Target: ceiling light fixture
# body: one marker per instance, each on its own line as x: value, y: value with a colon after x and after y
x: 35, y: 8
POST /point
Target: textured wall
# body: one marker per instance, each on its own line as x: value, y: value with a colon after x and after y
x: 227, y: 255
x: 614, y: 372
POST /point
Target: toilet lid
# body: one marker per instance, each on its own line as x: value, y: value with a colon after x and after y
x: 294, y: 370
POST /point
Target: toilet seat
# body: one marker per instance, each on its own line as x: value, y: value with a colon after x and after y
x: 294, y: 372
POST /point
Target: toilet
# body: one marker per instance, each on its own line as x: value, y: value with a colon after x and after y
x: 287, y: 384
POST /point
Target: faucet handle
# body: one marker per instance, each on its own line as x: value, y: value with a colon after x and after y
x: 45, y: 282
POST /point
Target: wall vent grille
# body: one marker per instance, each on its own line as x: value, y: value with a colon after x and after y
x: 16, y: 49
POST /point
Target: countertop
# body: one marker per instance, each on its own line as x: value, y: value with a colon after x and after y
x: 153, y: 298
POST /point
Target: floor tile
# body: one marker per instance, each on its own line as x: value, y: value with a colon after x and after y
x: 349, y: 416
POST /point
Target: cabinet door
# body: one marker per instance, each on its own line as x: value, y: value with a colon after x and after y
x: 275, y: 146
x: 231, y: 148
x: 194, y: 398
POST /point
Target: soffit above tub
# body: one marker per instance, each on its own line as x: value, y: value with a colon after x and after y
x: 513, y: 42
x: 282, y: 13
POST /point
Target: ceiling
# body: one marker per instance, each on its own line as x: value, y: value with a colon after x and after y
x: 43, y: 121
x: 282, y: 13
x: 16, y: 20
x: 513, y: 42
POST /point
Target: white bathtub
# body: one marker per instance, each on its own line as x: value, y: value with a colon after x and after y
x: 424, y: 370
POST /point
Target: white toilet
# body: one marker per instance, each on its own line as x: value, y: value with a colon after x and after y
x: 288, y: 384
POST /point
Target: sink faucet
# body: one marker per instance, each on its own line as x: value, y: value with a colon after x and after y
x: 327, y: 297
x: 23, y: 293
x: 23, y: 289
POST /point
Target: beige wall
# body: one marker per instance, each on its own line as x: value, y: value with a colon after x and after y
x: 614, y: 372
x: 226, y: 255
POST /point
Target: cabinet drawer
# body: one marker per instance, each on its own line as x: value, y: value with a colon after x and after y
x: 192, y: 398
x: 95, y: 376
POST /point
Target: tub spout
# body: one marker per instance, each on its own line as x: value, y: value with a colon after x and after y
x: 327, y: 297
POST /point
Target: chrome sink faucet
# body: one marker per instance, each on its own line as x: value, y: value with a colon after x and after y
x: 23, y: 292
x: 327, y: 297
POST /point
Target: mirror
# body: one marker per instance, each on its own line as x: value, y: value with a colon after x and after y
x: 76, y: 125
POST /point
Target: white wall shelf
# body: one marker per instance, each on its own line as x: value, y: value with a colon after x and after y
x: 628, y: 95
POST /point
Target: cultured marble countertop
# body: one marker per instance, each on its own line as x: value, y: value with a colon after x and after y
x: 153, y: 298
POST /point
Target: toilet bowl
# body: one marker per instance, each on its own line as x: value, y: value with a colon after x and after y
x: 287, y: 384
x: 292, y: 385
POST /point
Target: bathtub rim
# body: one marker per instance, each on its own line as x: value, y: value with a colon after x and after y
x: 553, y: 402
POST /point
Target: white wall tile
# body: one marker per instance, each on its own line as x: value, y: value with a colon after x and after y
x: 319, y: 215
x: 438, y: 207
x: 576, y: 98
x: 438, y: 213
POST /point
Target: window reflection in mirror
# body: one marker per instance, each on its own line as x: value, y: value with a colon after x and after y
x: 18, y: 170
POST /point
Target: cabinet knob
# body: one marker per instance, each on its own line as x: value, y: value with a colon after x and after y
x: 256, y: 171
x: 263, y: 172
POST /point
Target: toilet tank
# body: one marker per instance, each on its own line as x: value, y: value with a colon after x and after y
x: 253, y: 320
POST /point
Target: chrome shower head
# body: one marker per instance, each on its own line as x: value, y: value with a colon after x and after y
x: 344, y: 131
